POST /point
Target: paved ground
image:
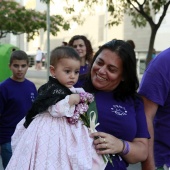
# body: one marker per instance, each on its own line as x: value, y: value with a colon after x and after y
x: 37, y: 77
x: 1, y: 168
x: 131, y: 167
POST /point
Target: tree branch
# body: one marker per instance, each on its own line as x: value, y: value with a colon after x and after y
x: 163, y: 14
x: 141, y: 11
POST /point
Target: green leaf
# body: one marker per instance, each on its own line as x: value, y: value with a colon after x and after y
x: 85, y: 120
x: 92, y: 107
x: 16, y: 19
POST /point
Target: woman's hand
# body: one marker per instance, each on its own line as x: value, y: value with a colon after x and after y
x: 106, y: 143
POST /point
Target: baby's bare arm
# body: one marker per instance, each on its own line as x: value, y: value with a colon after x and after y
x: 74, y: 99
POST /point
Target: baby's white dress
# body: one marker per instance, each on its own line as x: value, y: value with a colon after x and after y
x: 51, y: 143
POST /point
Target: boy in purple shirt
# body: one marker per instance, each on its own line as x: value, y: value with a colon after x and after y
x: 155, y: 90
x: 16, y: 97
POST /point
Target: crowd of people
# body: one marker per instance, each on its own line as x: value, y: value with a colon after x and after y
x: 128, y: 121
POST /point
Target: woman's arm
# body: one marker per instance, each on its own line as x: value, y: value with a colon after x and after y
x: 138, y: 151
x: 150, y: 111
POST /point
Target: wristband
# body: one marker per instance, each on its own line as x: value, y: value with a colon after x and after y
x: 126, y: 148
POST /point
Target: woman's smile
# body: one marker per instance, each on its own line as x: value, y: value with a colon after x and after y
x: 100, y: 77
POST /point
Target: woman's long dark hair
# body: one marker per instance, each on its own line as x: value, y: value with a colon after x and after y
x: 128, y: 87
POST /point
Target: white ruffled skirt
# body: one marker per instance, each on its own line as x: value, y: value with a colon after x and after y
x: 51, y: 143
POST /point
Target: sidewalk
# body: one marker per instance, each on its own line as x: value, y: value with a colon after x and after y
x: 37, y: 81
x: 1, y: 167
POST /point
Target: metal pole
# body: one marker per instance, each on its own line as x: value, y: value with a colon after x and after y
x: 48, y: 39
x: 106, y: 20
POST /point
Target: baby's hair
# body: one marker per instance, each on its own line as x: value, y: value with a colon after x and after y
x: 18, y: 55
x: 63, y: 52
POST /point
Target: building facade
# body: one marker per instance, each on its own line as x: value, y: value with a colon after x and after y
x: 94, y: 27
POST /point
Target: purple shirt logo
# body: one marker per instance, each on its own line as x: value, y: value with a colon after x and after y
x: 119, y: 110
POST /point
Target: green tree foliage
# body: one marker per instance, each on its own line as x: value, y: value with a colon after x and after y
x: 141, y: 11
x: 16, y: 19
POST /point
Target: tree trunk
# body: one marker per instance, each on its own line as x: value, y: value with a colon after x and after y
x: 154, y: 29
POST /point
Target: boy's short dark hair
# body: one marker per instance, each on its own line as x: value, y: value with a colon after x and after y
x: 18, y: 55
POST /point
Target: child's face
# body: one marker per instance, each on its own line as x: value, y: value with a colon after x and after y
x: 19, y: 69
x: 66, y: 71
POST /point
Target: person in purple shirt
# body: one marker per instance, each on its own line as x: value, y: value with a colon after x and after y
x: 122, y: 131
x: 155, y: 91
x: 84, y: 48
x: 16, y: 97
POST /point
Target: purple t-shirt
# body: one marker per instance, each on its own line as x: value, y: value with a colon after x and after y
x: 124, y: 120
x: 155, y: 86
x: 16, y: 99
x: 83, y: 70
